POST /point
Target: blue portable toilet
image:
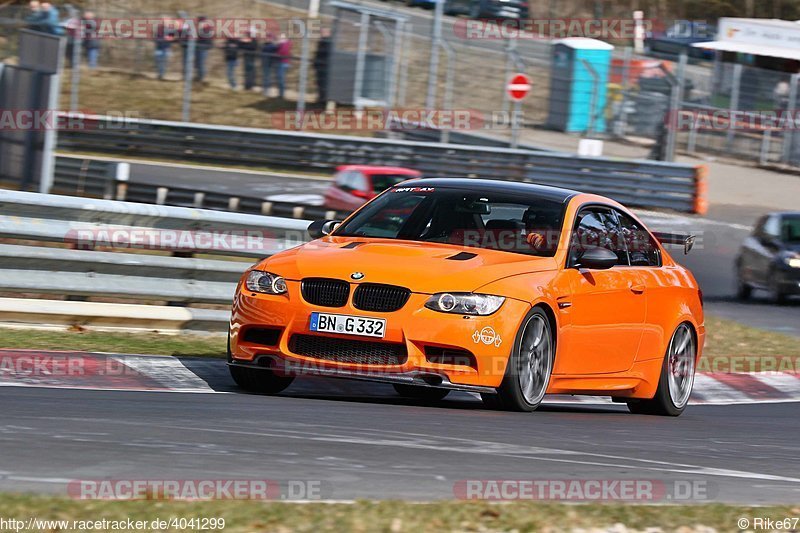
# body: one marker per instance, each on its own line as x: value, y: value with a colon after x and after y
x: 578, y: 78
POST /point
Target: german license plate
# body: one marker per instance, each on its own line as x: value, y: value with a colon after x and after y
x: 348, y: 325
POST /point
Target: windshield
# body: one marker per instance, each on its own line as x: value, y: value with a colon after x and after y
x: 381, y: 182
x: 498, y: 221
x: 790, y: 232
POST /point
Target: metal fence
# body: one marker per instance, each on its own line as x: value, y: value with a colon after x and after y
x: 638, y: 183
x: 119, y: 251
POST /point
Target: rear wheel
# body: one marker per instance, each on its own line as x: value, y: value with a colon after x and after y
x: 429, y: 394
x: 676, y: 379
x: 529, y: 368
x: 260, y: 380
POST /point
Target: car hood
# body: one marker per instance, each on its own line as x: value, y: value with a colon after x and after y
x: 422, y: 267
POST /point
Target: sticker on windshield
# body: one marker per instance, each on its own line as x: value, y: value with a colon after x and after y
x: 415, y: 189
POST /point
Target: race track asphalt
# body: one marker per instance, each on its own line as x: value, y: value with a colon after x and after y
x: 359, y: 440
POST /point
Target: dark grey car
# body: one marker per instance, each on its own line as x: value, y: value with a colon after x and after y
x: 770, y: 258
x: 488, y: 9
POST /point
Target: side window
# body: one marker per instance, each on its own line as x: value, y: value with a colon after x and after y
x: 344, y: 180
x: 642, y: 249
x: 772, y: 228
x: 358, y: 181
x: 597, y: 227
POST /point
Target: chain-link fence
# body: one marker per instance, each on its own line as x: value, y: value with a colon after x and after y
x: 375, y: 58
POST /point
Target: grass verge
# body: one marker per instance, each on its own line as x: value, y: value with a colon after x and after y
x: 393, y: 516
x: 197, y: 345
x: 726, y: 339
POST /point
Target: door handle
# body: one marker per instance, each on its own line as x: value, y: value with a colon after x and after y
x: 637, y: 289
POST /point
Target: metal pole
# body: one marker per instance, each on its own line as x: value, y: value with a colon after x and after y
x: 303, y: 81
x: 77, y: 45
x: 675, y: 107
x: 388, y: 65
x: 515, y: 120
x: 593, y: 102
x: 734, y: 103
x: 358, y: 85
x: 188, y: 74
x: 403, y: 84
x: 397, y: 55
x: 436, y: 39
x: 448, y: 86
x: 511, y: 47
x: 791, y: 106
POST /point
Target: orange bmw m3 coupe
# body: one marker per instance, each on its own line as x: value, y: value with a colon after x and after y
x: 510, y: 290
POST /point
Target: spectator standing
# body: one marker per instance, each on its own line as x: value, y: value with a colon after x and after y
x: 269, y: 59
x: 205, y: 42
x: 35, y: 18
x: 164, y: 39
x: 321, y: 62
x: 72, y: 26
x: 51, y: 19
x: 90, y: 41
x: 284, y: 57
x: 249, y: 48
x: 231, y: 50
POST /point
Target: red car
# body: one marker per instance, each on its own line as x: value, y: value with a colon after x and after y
x: 354, y: 185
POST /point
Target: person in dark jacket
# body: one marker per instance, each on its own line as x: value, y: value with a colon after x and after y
x: 164, y: 39
x: 284, y: 59
x: 249, y: 49
x: 231, y: 51
x: 269, y: 60
x: 321, y: 62
x: 205, y: 42
x: 90, y: 41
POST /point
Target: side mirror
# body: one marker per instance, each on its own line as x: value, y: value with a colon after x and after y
x: 320, y: 228
x: 597, y: 258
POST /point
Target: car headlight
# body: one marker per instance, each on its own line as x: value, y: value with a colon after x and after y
x: 465, y: 303
x: 792, y: 260
x: 265, y: 282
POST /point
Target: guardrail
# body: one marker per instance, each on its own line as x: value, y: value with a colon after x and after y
x: 637, y: 183
x: 129, y: 251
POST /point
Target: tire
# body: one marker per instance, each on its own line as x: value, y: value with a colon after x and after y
x: 777, y: 296
x: 428, y: 394
x: 259, y: 380
x: 529, y: 366
x: 743, y: 290
x: 676, y: 379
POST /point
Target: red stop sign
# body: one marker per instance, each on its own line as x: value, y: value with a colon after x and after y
x: 518, y: 87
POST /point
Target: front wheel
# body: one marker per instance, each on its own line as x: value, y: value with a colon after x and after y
x: 428, y: 394
x: 676, y: 379
x: 529, y: 367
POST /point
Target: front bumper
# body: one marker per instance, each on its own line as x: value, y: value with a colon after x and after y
x: 421, y: 332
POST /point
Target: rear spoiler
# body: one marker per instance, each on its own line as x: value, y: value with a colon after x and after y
x: 676, y: 238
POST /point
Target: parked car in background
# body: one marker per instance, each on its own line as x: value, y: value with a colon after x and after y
x: 770, y: 258
x: 490, y: 9
x: 354, y: 185
x: 679, y: 38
